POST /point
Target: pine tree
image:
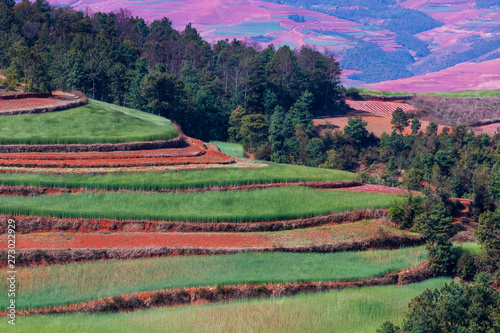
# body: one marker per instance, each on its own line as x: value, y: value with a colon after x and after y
x: 415, y: 126
x: 76, y: 78
x: 399, y: 120
x: 235, y: 123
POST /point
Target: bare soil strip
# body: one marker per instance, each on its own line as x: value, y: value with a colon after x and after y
x: 188, y: 296
x: 27, y: 103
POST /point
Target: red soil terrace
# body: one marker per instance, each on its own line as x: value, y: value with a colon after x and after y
x: 58, y: 99
x: 379, y: 107
x: 197, y: 155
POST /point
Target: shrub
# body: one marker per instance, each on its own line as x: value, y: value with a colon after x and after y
x: 404, y: 212
x: 466, y: 267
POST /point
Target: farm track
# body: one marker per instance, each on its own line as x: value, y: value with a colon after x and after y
x: 191, y: 296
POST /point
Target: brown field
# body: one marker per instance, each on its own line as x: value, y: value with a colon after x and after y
x: 377, y: 124
x: 318, y: 236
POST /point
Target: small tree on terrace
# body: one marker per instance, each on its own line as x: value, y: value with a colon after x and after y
x: 235, y: 123
x: 356, y: 128
x: 253, y: 129
x: 415, y: 126
x: 399, y: 120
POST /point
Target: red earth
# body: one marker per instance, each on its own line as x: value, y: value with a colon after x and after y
x: 490, y: 129
x: 58, y: 99
x: 198, y: 155
x: 327, y: 234
x: 380, y: 107
x: 377, y: 124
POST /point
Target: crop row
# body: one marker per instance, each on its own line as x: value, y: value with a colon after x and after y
x: 238, y: 164
x: 210, y: 157
x: 156, y: 153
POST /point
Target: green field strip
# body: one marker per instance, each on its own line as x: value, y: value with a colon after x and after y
x: 96, y: 122
x: 55, y: 285
x: 271, y: 204
x: 273, y: 173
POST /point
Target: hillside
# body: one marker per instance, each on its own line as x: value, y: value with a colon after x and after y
x: 378, y: 41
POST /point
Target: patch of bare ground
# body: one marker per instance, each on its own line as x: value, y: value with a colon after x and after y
x: 377, y: 124
x: 14, y: 104
x: 453, y: 111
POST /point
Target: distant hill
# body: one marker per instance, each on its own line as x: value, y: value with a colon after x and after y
x: 376, y: 40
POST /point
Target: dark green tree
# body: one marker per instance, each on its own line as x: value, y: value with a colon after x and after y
x: 253, y: 130
x: 415, y: 126
x: 488, y: 234
x: 356, y: 128
x: 235, y: 119
x: 399, y: 120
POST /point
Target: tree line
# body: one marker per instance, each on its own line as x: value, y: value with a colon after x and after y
x: 118, y: 58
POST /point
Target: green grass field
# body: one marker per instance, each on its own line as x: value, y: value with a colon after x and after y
x: 233, y: 206
x: 359, y: 310
x: 464, y: 93
x: 232, y: 149
x: 60, y: 285
x: 470, y: 248
x: 274, y: 173
x: 96, y: 122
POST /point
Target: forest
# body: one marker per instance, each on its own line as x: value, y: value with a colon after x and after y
x: 152, y: 67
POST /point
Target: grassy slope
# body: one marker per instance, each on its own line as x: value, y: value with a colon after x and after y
x: 234, y: 206
x: 357, y: 310
x: 96, y: 122
x: 232, y: 149
x: 180, y: 179
x: 56, y: 285
x: 464, y: 93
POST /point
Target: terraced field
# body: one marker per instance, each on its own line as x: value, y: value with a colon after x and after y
x: 138, y: 224
x: 352, y: 310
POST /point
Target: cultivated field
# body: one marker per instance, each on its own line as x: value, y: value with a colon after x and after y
x: 352, y: 310
x: 95, y: 122
x: 125, y: 213
x: 55, y: 285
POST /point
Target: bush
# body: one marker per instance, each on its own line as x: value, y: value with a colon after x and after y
x: 404, y: 212
x: 466, y: 267
x: 388, y: 327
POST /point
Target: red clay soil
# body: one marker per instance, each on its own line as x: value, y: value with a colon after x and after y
x: 190, y: 296
x: 377, y: 124
x: 36, y: 103
x: 44, y: 257
x: 378, y: 189
x: 136, y: 240
x: 305, y: 237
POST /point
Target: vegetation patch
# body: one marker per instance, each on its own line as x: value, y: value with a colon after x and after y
x: 56, y: 285
x: 96, y: 122
x: 240, y: 206
x: 345, y: 310
x: 274, y: 173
